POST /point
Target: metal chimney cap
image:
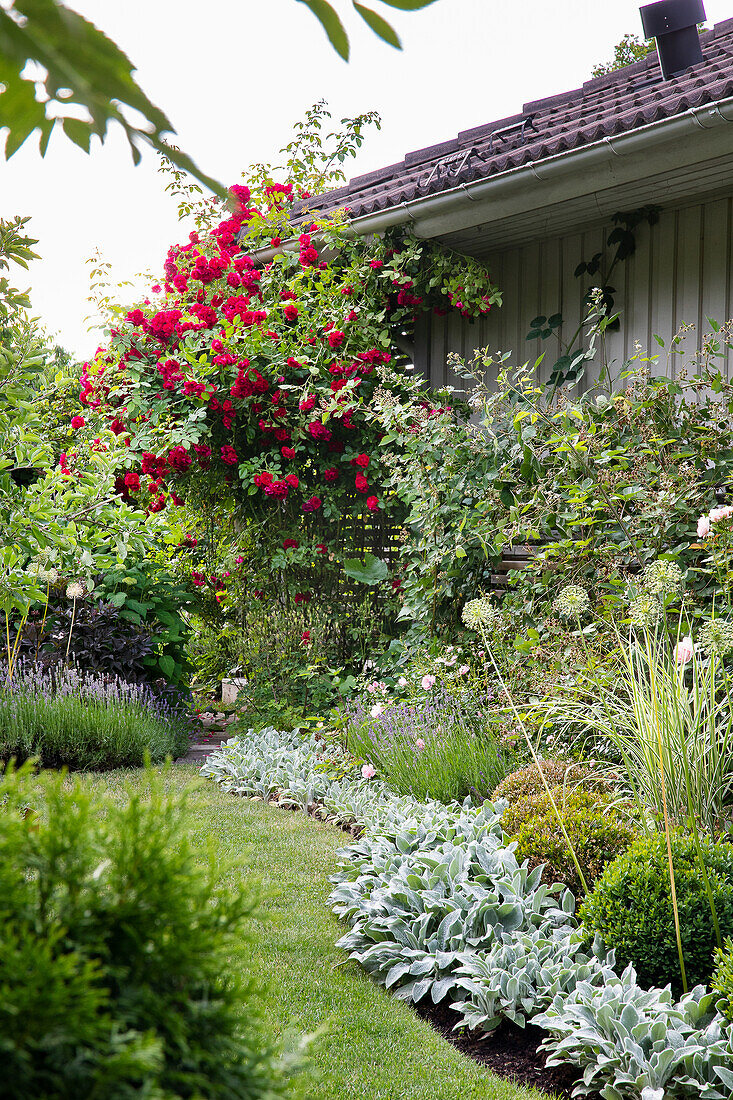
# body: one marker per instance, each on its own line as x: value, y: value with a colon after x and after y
x: 671, y: 15
x: 674, y: 25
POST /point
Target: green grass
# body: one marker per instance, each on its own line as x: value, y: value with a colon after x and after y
x: 369, y: 1045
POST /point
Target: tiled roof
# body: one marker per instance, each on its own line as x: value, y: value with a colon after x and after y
x: 614, y: 104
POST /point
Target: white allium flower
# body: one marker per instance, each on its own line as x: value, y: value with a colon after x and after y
x: 645, y: 610
x: 75, y: 590
x: 572, y: 602
x: 716, y: 636
x: 48, y: 576
x: 662, y: 578
x: 477, y: 613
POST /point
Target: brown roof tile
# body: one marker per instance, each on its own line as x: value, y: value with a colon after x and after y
x: 612, y: 104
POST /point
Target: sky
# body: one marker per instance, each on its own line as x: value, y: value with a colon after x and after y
x: 234, y: 75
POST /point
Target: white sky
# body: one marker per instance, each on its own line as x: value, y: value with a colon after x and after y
x: 234, y: 75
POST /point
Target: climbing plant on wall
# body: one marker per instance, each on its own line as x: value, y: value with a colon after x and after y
x: 251, y: 369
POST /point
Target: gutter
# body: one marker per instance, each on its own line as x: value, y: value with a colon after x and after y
x: 533, y: 185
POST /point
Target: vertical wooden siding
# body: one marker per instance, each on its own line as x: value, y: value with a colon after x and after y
x: 680, y: 273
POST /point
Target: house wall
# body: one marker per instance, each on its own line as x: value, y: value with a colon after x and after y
x: 681, y: 272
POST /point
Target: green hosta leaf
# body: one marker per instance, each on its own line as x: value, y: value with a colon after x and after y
x: 331, y: 24
x: 380, y: 26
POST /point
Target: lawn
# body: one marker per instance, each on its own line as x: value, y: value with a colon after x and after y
x: 369, y: 1046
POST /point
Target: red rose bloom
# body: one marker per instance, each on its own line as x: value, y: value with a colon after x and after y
x: 372, y: 504
x: 336, y: 338
x: 292, y: 480
x: 361, y: 460
x: 287, y: 452
x: 263, y: 480
x: 77, y: 422
x: 290, y: 544
x: 132, y: 481
x: 331, y: 474
x: 362, y: 485
x: 319, y: 431
x: 279, y: 490
x: 291, y: 312
x: 312, y: 505
x: 229, y: 455
x: 305, y: 637
x: 307, y: 404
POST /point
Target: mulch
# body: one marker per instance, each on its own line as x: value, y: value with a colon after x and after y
x: 509, y: 1051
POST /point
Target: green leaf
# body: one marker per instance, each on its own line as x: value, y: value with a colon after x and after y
x: 380, y: 26
x: 408, y: 5
x: 371, y: 570
x: 331, y: 24
x: 79, y: 132
x: 167, y: 665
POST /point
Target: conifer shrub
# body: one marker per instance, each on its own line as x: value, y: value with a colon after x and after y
x: 631, y: 908
x: 119, y: 955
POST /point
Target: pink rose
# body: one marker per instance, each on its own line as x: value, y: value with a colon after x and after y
x: 427, y: 682
x: 703, y: 527
x: 684, y: 651
x: 368, y: 771
x: 419, y: 744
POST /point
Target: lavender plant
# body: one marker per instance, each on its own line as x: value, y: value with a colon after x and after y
x: 430, y: 748
x: 84, y: 721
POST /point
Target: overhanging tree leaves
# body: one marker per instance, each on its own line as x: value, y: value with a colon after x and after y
x: 59, y: 71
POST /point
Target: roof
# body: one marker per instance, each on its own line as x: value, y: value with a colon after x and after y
x: 617, y: 103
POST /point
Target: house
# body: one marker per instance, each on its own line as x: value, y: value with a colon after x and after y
x: 534, y: 194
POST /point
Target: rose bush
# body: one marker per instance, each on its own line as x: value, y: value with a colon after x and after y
x: 253, y: 371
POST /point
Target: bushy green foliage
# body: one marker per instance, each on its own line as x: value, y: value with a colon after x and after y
x: 631, y: 907
x: 558, y: 773
x: 115, y: 958
x: 722, y: 981
x: 597, y: 831
x: 89, y: 724
x: 153, y: 599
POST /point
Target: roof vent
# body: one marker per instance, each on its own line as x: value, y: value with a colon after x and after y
x: 674, y: 25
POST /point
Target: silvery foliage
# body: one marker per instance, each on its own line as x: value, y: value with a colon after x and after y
x: 425, y: 898
x: 299, y: 770
x: 520, y: 975
x: 633, y: 1042
x: 438, y: 905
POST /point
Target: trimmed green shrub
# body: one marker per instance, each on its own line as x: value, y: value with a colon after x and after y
x: 631, y: 908
x: 723, y: 979
x: 87, y: 723
x: 116, y: 969
x: 597, y: 831
x: 558, y: 773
